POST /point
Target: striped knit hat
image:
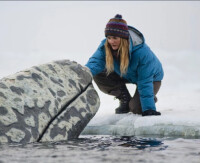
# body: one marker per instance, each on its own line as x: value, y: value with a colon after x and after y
x: 117, y: 27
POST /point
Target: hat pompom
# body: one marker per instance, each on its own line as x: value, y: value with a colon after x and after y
x: 118, y: 16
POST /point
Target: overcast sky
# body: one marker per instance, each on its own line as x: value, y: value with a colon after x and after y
x: 72, y: 28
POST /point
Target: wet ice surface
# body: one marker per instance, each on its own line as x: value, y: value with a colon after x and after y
x: 106, y: 149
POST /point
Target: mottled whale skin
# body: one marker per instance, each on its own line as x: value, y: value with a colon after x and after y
x: 49, y: 102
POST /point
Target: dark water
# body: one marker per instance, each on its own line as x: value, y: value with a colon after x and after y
x: 105, y: 149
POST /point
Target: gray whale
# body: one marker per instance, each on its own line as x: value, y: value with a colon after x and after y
x: 49, y: 102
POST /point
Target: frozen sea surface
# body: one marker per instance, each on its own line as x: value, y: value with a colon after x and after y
x: 131, y: 124
x: 101, y: 148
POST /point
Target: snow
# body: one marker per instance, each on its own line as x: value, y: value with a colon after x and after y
x: 71, y: 30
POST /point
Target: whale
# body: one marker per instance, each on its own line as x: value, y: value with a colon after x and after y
x: 48, y: 102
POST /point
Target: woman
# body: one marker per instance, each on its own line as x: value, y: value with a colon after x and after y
x: 123, y: 57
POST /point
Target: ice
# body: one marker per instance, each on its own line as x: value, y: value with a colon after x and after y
x: 130, y: 124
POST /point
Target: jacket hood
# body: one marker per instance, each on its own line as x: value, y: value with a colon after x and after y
x: 136, y: 38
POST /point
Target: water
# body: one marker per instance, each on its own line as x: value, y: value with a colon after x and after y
x: 104, y: 148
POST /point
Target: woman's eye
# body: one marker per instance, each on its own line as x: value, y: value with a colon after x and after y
x: 115, y: 38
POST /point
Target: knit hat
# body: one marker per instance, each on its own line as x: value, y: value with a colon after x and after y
x: 117, y: 27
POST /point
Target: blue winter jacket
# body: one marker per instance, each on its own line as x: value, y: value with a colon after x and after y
x: 144, y: 67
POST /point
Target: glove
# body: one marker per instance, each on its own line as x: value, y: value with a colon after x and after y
x: 150, y: 112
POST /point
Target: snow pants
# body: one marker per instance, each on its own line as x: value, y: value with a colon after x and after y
x: 112, y: 83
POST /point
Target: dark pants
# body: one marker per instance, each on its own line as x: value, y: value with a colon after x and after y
x: 111, y: 85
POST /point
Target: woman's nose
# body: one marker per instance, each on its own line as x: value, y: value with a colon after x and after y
x: 112, y: 41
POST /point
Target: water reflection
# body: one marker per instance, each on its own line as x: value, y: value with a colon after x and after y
x: 107, y: 142
x: 141, y: 143
x: 100, y: 143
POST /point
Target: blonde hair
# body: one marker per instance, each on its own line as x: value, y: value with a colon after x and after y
x: 123, y: 52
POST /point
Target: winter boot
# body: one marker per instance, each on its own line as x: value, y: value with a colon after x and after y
x: 124, y: 99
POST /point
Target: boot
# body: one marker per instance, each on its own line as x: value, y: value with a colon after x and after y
x: 124, y: 99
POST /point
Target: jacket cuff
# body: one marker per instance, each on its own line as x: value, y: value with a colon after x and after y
x: 147, y: 103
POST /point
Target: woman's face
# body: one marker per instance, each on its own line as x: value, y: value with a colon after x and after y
x: 114, y: 42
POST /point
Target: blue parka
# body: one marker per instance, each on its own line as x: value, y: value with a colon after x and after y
x: 144, y: 67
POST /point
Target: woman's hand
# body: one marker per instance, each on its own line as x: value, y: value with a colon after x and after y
x: 150, y: 112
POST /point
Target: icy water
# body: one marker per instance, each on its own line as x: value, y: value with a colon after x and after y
x: 99, y: 148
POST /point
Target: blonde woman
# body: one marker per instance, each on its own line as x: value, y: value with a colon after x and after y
x: 123, y: 57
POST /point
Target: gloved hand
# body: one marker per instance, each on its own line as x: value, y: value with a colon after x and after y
x: 150, y: 112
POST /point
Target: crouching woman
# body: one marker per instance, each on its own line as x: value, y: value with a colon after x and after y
x: 123, y: 57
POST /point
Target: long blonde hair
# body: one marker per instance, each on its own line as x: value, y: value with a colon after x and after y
x: 123, y: 52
